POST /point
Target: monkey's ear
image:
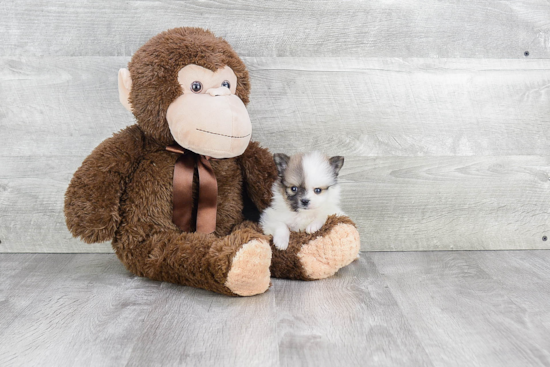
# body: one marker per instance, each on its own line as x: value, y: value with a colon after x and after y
x: 124, y: 88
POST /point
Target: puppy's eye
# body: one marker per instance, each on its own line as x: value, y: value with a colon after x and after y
x: 196, y: 87
x: 226, y: 84
x: 318, y: 191
x: 291, y: 190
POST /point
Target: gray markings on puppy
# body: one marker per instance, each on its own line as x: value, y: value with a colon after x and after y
x: 291, y: 179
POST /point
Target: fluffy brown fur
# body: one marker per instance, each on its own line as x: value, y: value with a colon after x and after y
x: 123, y: 190
x: 154, y: 68
x: 286, y: 263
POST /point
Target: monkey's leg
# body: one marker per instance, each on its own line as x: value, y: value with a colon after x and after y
x: 317, y: 255
x: 237, y: 264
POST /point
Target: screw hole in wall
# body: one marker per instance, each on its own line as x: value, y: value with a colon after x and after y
x: 526, y: 53
x: 544, y: 238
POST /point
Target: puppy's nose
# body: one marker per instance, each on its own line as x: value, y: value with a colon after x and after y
x: 305, y: 202
x: 221, y: 91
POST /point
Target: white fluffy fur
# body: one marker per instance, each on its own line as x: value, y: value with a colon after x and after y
x: 279, y: 219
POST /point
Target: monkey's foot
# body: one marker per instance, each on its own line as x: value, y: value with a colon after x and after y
x: 249, y: 274
x: 324, y: 256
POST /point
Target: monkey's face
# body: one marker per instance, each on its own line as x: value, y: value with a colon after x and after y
x: 208, y: 118
x: 186, y: 85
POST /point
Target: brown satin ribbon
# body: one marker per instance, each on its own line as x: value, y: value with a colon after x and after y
x: 184, y: 170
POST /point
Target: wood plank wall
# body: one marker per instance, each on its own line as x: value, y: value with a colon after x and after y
x: 443, y: 119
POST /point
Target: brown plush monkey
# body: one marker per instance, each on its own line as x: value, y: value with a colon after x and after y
x: 187, y: 87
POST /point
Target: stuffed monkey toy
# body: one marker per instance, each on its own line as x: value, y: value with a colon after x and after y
x: 170, y: 191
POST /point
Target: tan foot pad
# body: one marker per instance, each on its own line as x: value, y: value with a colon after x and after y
x: 249, y: 274
x: 323, y: 256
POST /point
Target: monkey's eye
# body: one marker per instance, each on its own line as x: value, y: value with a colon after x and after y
x: 226, y: 84
x: 196, y: 87
x: 318, y: 191
x: 293, y: 189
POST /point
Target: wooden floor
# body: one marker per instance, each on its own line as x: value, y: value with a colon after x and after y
x: 398, y: 309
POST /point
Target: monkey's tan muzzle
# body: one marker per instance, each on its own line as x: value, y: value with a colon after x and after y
x: 215, y: 124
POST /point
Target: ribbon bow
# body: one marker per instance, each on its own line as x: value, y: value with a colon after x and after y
x: 182, y: 200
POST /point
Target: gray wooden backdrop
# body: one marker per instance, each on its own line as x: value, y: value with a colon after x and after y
x: 442, y: 108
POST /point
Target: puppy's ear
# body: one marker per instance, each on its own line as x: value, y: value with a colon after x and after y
x: 336, y: 163
x: 281, y: 160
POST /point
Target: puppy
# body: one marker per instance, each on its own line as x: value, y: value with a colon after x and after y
x: 304, y: 195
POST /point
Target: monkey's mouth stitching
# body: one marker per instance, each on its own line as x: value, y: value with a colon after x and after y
x: 228, y: 136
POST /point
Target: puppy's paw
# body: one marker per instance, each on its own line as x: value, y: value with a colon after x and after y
x: 280, y: 240
x: 314, y: 226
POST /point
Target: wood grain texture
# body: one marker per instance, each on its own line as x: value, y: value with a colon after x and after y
x: 32, y: 193
x: 350, y: 319
x: 477, y: 308
x: 192, y: 327
x: 462, y: 315
x: 398, y: 203
x: 489, y: 29
x: 448, y: 203
x: 22, y: 280
x: 94, y: 312
x: 402, y: 107
x: 391, y: 118
x: 59, y: 106
x: 363, y: 107
x: 525, y: 277
x: 84, y: 314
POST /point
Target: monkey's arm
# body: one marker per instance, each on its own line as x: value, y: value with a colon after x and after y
x: 93, y: 196
x: 259, y: 173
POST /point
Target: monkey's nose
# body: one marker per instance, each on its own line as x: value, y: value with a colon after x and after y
x: 221, y: 91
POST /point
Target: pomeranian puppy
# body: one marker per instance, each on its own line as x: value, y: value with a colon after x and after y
x: 304, y: 195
